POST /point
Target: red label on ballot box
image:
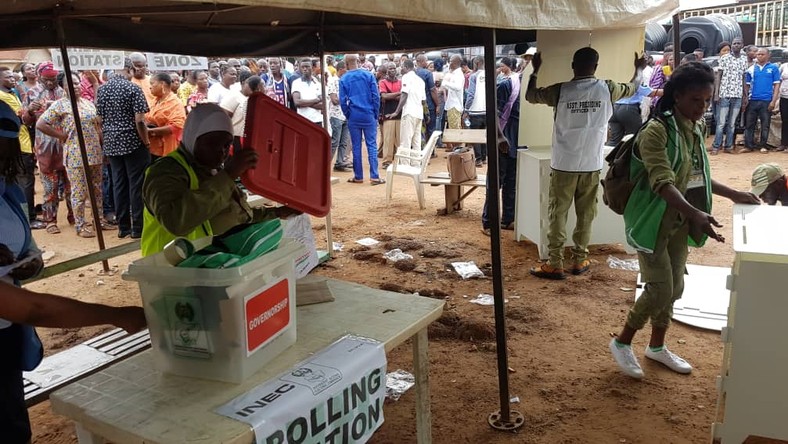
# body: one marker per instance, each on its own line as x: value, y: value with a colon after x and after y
x: 267, y: 314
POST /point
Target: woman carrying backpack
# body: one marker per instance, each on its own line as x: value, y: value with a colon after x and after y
x: 669, y: 209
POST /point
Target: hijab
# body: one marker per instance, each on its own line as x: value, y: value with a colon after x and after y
x: 203, y: 119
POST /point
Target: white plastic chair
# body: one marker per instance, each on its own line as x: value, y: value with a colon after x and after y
x: 413, y: 164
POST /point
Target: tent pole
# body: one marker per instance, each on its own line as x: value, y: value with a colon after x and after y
x: 503, y: 419
x: 321, y: 52
x: 676, y: 30
x: 81, y: 138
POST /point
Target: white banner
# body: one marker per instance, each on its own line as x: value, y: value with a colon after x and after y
x: 336, y: 396
x: 175, y: 62
x: 88, y: 59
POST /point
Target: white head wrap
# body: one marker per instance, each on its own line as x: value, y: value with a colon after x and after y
x: 204, y: 118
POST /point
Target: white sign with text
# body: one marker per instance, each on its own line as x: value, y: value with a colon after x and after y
x: 88, y: 59
x: 336, y: 396
x: 175, y: 62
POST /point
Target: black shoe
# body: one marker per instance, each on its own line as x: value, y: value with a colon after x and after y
x: 136, y: 235
x: 123, y: 234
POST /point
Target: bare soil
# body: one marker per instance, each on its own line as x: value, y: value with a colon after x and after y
x: 569, y: 388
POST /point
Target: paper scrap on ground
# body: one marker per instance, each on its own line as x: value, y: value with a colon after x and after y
x: 367, y: 242
x: 485, y: 299
x: 307, y: 401
x: 397, y: 383
x: 338, y: 246
x: 623, y: 264
x: 396, y: 255
x: 467, y: 270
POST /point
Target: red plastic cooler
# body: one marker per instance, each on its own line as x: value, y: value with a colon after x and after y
x: 295, y: 157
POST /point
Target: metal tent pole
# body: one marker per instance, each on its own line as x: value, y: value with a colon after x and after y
x: 503, y: 419
x: 676, y: 40
x: 321, y: 51
x: 81, y: 138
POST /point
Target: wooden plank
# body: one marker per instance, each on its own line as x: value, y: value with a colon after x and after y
x: 470, y: 183
x: 465, y: 136
x: 88, y: 259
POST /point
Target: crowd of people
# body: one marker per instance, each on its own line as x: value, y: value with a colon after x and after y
x: 132, y: 117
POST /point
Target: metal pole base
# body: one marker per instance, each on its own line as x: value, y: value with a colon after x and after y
x: 516, y: 420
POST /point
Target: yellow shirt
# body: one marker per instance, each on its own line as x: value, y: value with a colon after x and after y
x: 24, y: 136
x: 185, y: 91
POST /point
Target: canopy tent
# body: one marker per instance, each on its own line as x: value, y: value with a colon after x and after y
x: 299, y: 27
x: 278, y: 27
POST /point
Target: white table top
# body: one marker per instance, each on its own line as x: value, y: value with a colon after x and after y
x: 130, y: 402
x: 759, y: 231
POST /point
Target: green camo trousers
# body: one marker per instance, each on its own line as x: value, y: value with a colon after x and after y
x: 565, y: 188
x: 663, y: 272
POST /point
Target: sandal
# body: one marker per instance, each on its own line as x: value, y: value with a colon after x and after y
x: 374, y: 182
x: 715, y: 152
x: 354, y: 180
x: 85, y: 232
x: 53, y: 229
x: 37, y: 225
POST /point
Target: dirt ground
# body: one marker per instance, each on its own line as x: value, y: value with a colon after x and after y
x: 569, y: 387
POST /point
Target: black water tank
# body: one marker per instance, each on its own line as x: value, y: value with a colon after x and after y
x: 707, y: 32
x: 656, y: 37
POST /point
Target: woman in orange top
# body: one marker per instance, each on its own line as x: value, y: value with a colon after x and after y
x: 166, y: 117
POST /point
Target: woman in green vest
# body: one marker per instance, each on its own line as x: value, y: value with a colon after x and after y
x: 669, y: 209
x: 191, y: 192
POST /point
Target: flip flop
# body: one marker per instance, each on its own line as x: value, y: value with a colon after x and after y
x: 53, y: 229
x: 374, y: 182
x: 354, y: 180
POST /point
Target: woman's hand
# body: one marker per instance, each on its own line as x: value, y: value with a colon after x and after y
x: 704, y: 223
x: 285, y: 212
x: 241, y: 161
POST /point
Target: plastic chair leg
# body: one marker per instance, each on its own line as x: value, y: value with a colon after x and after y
x: 419, y: 191
x: 389, y: 185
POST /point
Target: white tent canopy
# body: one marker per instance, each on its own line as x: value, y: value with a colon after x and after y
x: 257, y: 27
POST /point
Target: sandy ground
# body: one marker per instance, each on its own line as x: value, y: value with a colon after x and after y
x: 570, y: 389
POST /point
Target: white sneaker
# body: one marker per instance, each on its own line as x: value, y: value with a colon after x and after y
x: 669, y: 360
x: 626, y: 360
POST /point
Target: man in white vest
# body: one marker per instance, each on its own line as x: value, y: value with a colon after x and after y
x: 476, y: 105
x: 583, y: 107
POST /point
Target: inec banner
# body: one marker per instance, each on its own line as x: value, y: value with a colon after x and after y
x: 336, y: 396
x: 88, y: 59
x: 175, y: 62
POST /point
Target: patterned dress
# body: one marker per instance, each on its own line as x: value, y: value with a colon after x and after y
x: 60, y: 116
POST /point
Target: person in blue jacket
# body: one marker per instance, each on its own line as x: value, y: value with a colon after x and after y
x: 359, y: 98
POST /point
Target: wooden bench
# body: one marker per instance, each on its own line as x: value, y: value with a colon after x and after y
x: 80, y: 361
x: 453, y: 191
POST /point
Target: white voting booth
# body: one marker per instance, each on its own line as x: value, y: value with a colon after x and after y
x: 617, y: 48
x: 531, y: 221
x: 753, y: 394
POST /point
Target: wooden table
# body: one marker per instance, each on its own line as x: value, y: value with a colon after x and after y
x: 453, y: 192
x: 132, y: 403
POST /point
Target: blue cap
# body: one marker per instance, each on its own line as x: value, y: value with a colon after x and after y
x: 6, y: 113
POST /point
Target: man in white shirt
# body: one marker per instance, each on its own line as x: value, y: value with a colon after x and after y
x: 340, y: 134
x: 583, y: 106
x: 307, y: 94
x: 476, y: 106
x: 411, y: 104
x: 218, y: 91
x: 454, y: 84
